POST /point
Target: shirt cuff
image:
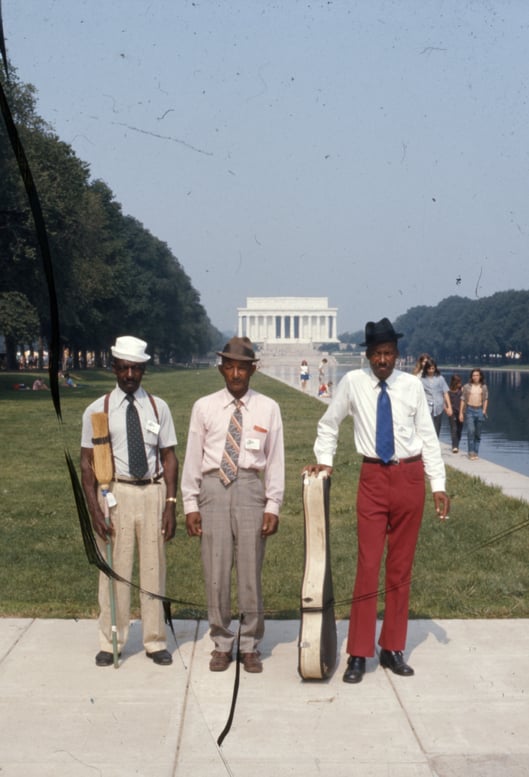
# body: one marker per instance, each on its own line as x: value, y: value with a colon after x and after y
x: 438, y: 484
x: 272, y: 507
x: 190, y: 506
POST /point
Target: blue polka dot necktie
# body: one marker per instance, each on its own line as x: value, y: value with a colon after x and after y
x: 135, y: 443
x: 385, y: 442
x: 230, y: 456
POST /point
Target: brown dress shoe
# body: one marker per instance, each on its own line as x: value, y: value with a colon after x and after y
x: 219, y: 661
x: 251, y: 662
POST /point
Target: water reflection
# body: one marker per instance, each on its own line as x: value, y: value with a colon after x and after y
x: 505, y: 436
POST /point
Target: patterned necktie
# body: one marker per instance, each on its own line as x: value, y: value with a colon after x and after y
x: 385, y: 444
x: 230, y: 455
x: 135, y: 443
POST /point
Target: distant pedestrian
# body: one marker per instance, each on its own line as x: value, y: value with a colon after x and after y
x: 304, y: 374
x: 436, y: 390
x: 455, y: 392
x: 419, y: 364
x: 474, y: 407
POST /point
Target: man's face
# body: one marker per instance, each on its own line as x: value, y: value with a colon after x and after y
x: 128, y: 375
x: 237, y: 375
x: 382, y: 358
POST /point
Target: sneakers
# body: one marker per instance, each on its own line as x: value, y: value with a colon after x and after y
x: 455, y: 450
x: 219, y: 661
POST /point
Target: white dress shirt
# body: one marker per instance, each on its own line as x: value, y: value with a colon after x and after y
x: 261, y: 444
x: 414, y: 433
x: 117, y: 410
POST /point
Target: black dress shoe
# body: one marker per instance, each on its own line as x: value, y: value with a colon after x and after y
x: 356, y: 668
x: 162, y: 657
x: 392, y: 659
x: 104, y: 658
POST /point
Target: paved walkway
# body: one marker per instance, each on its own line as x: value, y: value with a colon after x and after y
x: 465, y: 713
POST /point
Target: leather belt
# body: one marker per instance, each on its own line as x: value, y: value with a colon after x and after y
x: 145, y: 482
x: 216, y: 472
x: 369, y: 460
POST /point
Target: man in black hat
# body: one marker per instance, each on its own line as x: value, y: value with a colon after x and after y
x: 232, y: 489
x: 394, y: 432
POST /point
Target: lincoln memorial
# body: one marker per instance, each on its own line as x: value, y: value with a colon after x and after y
x: 287, y: 320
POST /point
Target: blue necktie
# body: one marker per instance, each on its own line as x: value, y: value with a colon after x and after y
x: 384, y: 444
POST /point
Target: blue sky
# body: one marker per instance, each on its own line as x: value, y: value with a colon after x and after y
x: 373, y: 152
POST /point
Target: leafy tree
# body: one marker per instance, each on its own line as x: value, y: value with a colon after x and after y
x: 19, y: 323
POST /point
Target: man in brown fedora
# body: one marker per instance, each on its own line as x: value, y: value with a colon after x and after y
x: 232, y: 490
x: 394, y: 432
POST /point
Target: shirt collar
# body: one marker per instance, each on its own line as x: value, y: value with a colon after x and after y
x: 228, y: 398
x: 138, y: 395
x: 375, y: 381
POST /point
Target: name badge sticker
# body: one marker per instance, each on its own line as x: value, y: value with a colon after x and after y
x: 111, y: 499
x: 252, y: 444
x: 152, y: 426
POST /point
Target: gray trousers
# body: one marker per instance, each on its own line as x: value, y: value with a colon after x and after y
x: 232, y: 520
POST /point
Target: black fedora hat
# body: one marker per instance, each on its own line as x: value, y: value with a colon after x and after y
x: 380, y: 332
x: 239, y: 349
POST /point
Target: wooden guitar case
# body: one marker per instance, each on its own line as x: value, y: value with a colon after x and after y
x: 317, y: 636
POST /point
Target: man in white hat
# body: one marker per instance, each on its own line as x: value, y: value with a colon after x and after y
x: 143, y: 494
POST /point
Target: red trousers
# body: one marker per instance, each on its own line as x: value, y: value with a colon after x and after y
x: 390, y: 505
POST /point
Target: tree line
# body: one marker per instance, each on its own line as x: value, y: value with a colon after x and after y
x: 490, y: 330
x: 112, y: 275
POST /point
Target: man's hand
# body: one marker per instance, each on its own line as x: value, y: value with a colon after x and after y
x: 270, y: 524
x: 442, y: 504
x: 100, y: 526
x: 315, y: 469
x: 168, y: 521
x: 194, y: 524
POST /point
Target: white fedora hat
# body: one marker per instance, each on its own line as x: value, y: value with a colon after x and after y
x: 131, y: 349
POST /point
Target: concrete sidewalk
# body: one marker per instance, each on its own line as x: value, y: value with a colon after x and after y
x: 465, y: 713
x: 511, y: 483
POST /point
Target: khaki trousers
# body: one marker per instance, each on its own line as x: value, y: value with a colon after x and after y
x: 232, y: 520
x: 137, y: 518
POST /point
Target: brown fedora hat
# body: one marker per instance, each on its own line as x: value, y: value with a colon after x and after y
x: 380, y: 332
x: 239, y: 349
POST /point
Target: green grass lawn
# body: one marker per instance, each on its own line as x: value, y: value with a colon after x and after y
x: 472, y: 566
